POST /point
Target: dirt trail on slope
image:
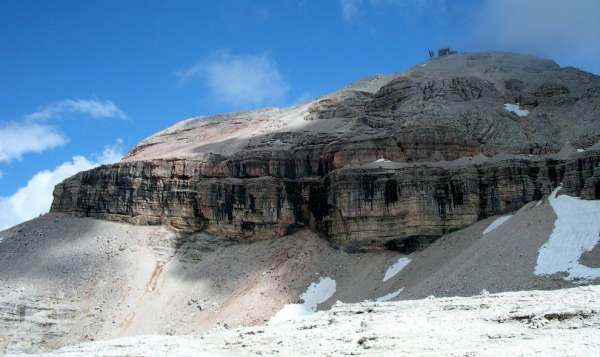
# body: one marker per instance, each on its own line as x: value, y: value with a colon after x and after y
x: 81, y: 279
x: 66, y: 280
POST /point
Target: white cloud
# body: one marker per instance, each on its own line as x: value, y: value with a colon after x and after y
x: 94, y: 108
x: 241, y: 80
x: 18, y: 139
x: 35, y: 198
x: 350, y: 9
x: 111, y: 153
x: 566, y: 31
x: 29, y: 135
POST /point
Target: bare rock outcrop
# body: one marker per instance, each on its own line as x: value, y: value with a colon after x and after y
x: 373, y: 206
x: 391, y: 161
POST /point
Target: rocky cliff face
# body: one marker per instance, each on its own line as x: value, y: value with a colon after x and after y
x: 377, y: 205
x: 391, y: 161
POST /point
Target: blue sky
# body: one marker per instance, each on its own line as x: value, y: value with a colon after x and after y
x: 89, y: 79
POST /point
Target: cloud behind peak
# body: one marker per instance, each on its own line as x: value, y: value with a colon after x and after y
x: 241, y: 80
x: 20, y: 138
x: 96, y: 109
x: 568, y: 31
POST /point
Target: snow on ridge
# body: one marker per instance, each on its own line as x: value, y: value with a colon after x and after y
x: 383, y: 160
x: 576, y: 231
x: 316, y: 293
x: 497, y: 223
x: 395, y: 268
x: 390, y: 296
x: 516, y: 108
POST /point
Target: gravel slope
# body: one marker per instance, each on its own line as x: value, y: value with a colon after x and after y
x: 66, y: 280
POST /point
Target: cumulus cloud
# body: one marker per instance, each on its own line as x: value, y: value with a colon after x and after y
x: 241, y: 80
x: 35, y: 197
x: 32, y: 134
x: 568, y: 31
x: 110, y: 154
x: 92, y: 108
x: 20, y: 138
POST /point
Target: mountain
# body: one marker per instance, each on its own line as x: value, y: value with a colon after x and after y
x: 468, y: 172
x: 394, y: 160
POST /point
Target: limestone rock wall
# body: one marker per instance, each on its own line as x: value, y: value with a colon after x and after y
x: 358, y: 208
x: 263, y: 173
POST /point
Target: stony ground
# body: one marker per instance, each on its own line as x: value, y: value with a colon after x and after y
x: 550, y: 323
x: 65, y: 280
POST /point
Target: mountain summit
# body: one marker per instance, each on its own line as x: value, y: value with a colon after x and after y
x: 391, y: 161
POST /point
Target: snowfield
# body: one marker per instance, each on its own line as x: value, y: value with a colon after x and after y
x: 390, y: 296
x: 395, y: 268
x: 314, y: 295
x: 383, y: 160
x: 549, y: 323
x: 576, y: 231
x: 516, y: 109
x: 497, y: 223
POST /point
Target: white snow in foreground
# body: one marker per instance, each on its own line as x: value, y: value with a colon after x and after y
x: 383, y: 160
x: 395, y: 268
x: 515, y: 108
x: 497, y: 223
x: 149, y: 345
x: 563, y: 322
x: 390, y: 296
x: 576, y: 231
x: 314, y: 295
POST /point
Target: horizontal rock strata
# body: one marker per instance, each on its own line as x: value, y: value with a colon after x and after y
x: 390, y: 161
x: 398, y: 208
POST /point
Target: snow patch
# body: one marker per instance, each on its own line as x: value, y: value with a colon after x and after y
x: 497, y: 223
x: 314, y: 295
x: 539, y: 203
x: 516, y: 108
x: 576, y: 231
x: 390, y: 296
x: 580, y: 150
x: 383, y: 160
x: 395, y: 268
